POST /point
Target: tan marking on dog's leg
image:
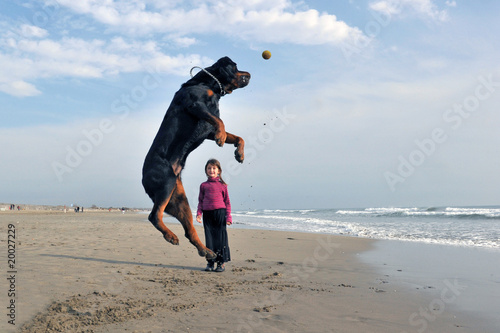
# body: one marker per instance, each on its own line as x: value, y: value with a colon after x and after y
x: 167, y: 233
x: 156, y: 218
x: 179, y: 208
x: 176, y: 167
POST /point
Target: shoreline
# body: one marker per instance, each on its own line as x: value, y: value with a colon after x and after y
x: 107, y: 272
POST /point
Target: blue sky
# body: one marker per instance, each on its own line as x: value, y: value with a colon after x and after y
x: 363, y: 103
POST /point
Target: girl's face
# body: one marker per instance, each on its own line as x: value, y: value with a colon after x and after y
x: 212, y: 171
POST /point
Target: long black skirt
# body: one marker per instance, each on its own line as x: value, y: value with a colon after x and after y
x: 214, y: 223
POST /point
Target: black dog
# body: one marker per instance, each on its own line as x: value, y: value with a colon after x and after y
x: 192, y: 117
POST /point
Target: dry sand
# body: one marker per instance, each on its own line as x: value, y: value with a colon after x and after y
x: 113, y: 272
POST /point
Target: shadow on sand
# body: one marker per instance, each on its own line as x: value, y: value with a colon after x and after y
x: 120, y: 262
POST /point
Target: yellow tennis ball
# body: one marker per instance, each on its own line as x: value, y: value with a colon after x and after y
x: 266, y: 54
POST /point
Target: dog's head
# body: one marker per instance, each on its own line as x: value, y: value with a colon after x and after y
x: 229, y: 76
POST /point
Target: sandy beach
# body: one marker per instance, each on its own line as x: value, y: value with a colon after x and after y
x: 113, y: 272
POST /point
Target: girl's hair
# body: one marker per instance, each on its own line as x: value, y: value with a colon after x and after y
x: 215, y: 162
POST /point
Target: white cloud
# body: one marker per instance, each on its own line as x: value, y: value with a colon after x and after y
x: 29, y: 52
x: 258, y: 20
x: 19, y: 89
x: 386, y: 7
x: 426, y: 8
x: 32, y: 31
x: 184, y: 41
x: 307, y: 28
x: 24, y: 59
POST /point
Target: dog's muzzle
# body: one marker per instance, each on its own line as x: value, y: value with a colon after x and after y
x: 243, y: 78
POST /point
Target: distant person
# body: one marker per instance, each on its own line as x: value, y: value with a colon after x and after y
x: 215, y: 207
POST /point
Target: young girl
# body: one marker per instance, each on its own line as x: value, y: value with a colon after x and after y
x: 214, y: 205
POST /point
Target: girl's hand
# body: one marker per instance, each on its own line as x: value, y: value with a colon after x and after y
x: 229, y: 223
x: 198, y: 218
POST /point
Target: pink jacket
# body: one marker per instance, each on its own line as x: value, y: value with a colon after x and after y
x: 214, y: 195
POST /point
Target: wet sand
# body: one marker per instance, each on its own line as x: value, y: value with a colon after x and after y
x: 113, y: 272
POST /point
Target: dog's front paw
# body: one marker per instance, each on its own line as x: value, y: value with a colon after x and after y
x: 239, y: 155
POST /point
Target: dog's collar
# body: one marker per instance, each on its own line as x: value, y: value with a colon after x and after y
x: 222, y: 91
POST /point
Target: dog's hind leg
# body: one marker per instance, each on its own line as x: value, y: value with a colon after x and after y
x: 178, y: 207
x: 161, y: 200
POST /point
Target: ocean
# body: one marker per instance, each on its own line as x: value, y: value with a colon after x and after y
x: 477, y: 227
